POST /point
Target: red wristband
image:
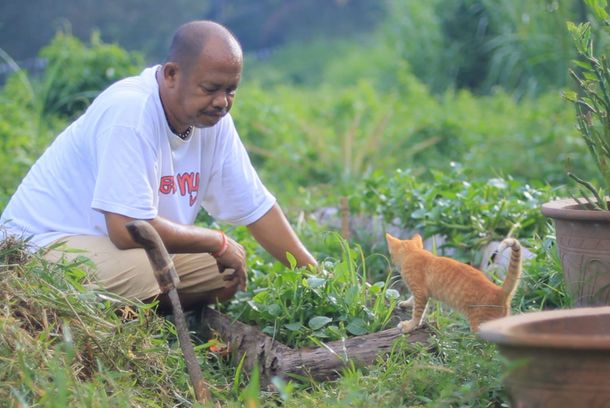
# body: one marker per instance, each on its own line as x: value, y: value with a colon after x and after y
x: 223, y: 247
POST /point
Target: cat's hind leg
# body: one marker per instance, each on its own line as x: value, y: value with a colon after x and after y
x: 420, y: 304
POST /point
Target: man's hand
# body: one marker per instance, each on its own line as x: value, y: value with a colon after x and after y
x: 275, y: 234
x: 234, y: 257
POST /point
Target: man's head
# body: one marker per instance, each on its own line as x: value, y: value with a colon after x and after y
x: 201, y: 74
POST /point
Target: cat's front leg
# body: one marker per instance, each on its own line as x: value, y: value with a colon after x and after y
x: 407, y: 326
x: 419, y: 311
x: 405, y: 304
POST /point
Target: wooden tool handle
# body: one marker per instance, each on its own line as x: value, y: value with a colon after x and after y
x: 167, y: 278
x: 144, y: 234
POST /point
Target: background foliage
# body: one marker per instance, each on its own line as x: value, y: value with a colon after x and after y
x: 441, y: 117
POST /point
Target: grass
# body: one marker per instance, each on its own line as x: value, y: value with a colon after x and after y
x: 63, y: 342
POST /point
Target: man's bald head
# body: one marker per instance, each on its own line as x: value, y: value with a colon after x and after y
x: 194, y: 38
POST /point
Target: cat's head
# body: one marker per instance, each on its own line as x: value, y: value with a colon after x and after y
x: 399, y: 247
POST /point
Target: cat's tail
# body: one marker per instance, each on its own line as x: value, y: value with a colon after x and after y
x: 513, y: 273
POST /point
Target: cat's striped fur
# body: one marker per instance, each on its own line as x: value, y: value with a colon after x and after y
x: 454, y: 283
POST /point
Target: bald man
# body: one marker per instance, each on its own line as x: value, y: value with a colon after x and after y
x: 157, y: 147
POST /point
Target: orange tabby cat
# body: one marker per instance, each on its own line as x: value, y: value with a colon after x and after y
x: 459, y: 285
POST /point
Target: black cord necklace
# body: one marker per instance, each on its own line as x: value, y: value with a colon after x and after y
x: 184, y: 135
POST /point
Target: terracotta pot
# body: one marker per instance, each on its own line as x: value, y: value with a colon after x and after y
x: 583, y: 241
x: 559, y: 358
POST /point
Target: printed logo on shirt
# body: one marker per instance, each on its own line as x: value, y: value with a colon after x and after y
x: 184, y: 183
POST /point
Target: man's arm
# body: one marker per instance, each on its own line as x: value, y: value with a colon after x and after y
x: 179, y: 238
x: 176, y: 238
x: 276, y: 235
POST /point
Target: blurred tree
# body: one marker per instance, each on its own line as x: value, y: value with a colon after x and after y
x: 520, y: 45
x: 147, y: 25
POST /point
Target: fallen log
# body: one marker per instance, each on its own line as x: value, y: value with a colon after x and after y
x: 322, y: 363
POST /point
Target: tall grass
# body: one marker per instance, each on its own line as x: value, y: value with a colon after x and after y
x: 64, y: 344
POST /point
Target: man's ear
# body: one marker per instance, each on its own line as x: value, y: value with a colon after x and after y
x: 170, y: 72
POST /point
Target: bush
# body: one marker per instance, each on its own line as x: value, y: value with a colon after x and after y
x: 76, y: 73
x: 468, y: 212
x: 346, y: 135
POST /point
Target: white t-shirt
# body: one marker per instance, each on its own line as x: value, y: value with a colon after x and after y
x: 121, y: 156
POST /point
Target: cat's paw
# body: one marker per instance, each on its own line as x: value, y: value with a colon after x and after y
x: 406, y: 304
x: 407, y: 326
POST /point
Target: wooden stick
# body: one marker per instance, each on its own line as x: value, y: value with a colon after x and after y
x: 144, y: 234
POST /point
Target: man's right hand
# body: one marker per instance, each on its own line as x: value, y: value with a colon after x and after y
x: 234, y: 257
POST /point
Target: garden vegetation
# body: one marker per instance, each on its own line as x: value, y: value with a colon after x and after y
x: 422, y: 125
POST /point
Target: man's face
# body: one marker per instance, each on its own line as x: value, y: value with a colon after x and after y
x: 204, y: 94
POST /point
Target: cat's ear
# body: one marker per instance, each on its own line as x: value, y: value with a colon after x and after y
x: 389, y: 238
x: 418, y: 240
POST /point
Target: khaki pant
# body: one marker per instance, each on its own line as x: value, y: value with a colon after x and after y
x: 128, y: 272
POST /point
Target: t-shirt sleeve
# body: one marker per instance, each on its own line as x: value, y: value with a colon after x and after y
x: 125, y: 180
x: 235, y: 193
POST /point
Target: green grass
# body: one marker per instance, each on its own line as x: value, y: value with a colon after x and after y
x: 64, y: 343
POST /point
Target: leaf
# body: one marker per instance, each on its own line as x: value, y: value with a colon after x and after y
x: 294, y: 326
x: 315, y: 282
x: 238, y: 371
x: 599, y: 8
x: 285, y: 389
x: 419, y: 214
x: 253, y: 305
x: 351, y: 295
x: 291, y: 260
x: 250, y: 394
x: 261, y: 296
x: 357, y: 327
x: 392, y: 294
x: 321, y: 334
x: 570, y: 96
x: 375, y: 290
x: 274, y: 310
x: 316, y: 323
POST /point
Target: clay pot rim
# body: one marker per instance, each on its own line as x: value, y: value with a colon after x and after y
x: 566, y: 208
x: 505, y: 331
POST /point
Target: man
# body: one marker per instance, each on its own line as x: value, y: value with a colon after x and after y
x: 157, y: 147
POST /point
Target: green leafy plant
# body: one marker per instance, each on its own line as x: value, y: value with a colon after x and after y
x: 299, y: 306
x: 542, y: 283
x: 469, y: 212
x: 592, y: 102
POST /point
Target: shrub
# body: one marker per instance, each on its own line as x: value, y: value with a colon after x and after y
x: 469, y: 212
x: 76, y: 73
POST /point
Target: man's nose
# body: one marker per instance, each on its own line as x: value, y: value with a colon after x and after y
x: 221, y: 101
